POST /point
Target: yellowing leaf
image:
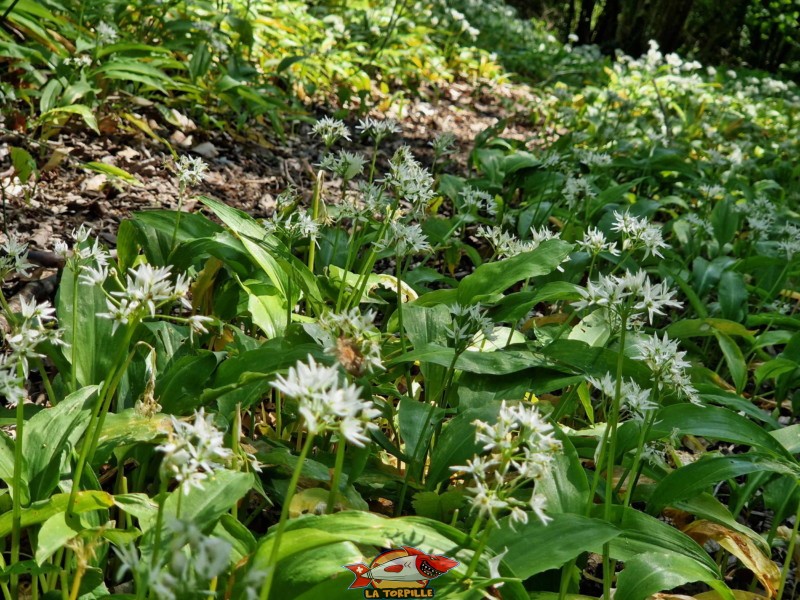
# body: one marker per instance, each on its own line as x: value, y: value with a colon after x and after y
x: 742, y: 547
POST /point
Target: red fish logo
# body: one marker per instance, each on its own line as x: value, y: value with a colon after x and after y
x: 404, y: 567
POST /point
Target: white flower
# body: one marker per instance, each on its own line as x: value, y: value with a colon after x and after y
x: 404, y: 239
x: 376, y: 129
x: 330, y: 130
x: 191, y: 170
x: 93, y: 276
x: 106, y: 34
x: 351, y: 337
x: 11, y: 385
x: 409, y: 180
x: 14, y: 257
x: 325, y: 403
x: 594, y: 242
x: 443, y: 144
x: 538, y: 503
x: 198, y: 323
x: 194, y: 451
x: 345, y: 164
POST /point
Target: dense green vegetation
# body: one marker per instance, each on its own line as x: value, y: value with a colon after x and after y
x: 572, y: 367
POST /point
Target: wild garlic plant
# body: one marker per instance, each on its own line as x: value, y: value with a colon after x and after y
x: 518, y: 448
x: 328, y: 405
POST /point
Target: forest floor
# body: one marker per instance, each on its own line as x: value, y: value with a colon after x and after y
x: 246, y: 171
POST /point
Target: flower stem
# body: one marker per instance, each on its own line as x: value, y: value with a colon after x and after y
x: 16, y: 514
x: 789, y: 554
x: 613, y: 422
x: 73, y: 372
x: 337, y: 474
x: 273, y: 557
x: 473, y: 564
x: 312, y: 247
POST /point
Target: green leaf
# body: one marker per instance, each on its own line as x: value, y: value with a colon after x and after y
x: 734, y: 359
x: 715, y: 423
x: 178, y: 389
x: 50, y: 434
x: 216, y: 496
x: 562, y: 539
x: 81, y: 110
x: 653, y: 572
x: 640, y: 533
x: 493, y: 278
x: 23, y: 163
x: 696, y: 477
x: 416, y: 421
x: 457, y: 442
x: 112, y: 171
x: 687, y: 328
x: 565, y: 484
x: 40, y: 511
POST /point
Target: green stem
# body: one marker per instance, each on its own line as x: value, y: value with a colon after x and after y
x: 273, y: 556
x: 613, y: 422
x: 51, y: 395
x: 312, y: 246
x: 337, y: 475
x: 73, y: 372
x: 473, y: 564
x: 789, y: 554
x: 181, y: 193
x: 16, y: 514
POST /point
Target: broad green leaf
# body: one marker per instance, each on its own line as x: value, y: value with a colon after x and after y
x: 734, y: 359
x: 565, y: 484
x: 640, y: 533
x: 496, y: 277
x: 696, y: 477
x: 457, y: 442
x: 534, y: 547
x: 688, y: 328
x: 217, y: 495
x: 715, y: 423
x: 50, y: 435
x: 179, y: 388
x: 40, y: 511
x: 653, y: 572
x: 83, y: 111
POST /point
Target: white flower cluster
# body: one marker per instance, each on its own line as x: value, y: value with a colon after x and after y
x: 295, y: 225
x: 637, y: 401
x: 443, y: 144
x: 506, y: 245
x: 194, y: 451
x: 577, y: 190
x: 331, y: 130
x: 404, y: 239
x: 83, y: 254
x: 326, y: 404
x: 345, y: 165
x: 521, y: 448
x: 377, y: 130
x: 147, y: 289
x: 469, y: 325
x: 639, y: 233
x: 184, y: 567
x: 13, y: 257
x: 191, y: 170
x: 594, y: 242
x: 106, y: 34
x: 351, y: 337
x: 476, y: 201
x: 633, y: 292
x: 668, y: 364
x: 30, y: 329
x: 409, y: 180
